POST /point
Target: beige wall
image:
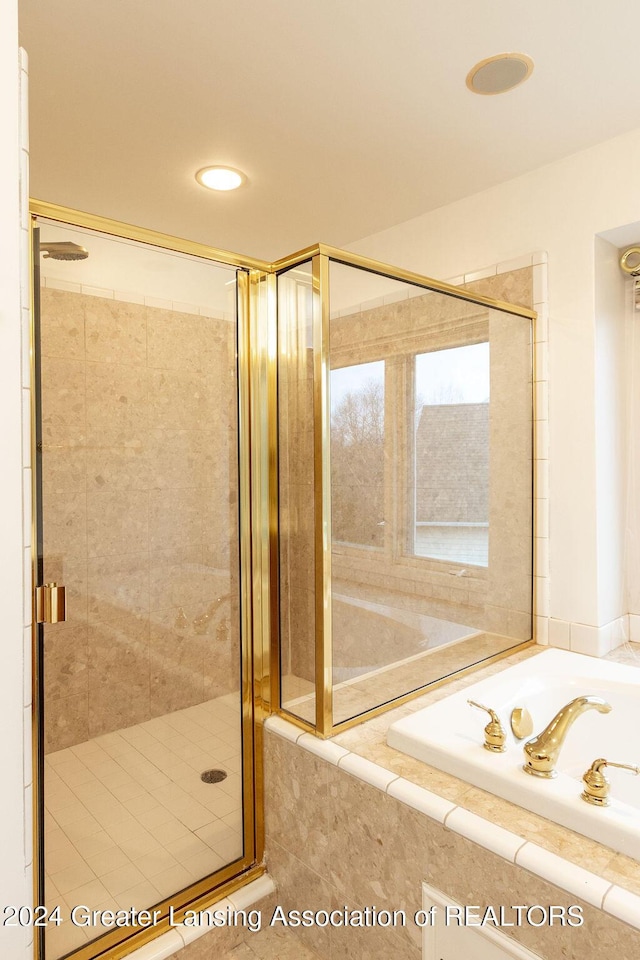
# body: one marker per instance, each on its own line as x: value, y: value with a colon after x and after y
x: 139, y: 506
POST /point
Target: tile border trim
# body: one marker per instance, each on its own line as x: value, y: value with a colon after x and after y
x: 181, y: 936
x: 598, y: 892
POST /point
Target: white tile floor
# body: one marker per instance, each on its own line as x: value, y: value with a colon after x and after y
x: 128, y: 819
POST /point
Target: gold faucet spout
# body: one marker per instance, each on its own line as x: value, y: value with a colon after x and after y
x: 541, y: 752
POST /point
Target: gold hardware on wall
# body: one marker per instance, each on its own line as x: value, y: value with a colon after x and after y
x: 630, y: 261
x: 630, y: 264
x: 51, y: 603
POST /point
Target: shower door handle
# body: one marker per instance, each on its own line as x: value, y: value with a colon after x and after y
x: 51, y: 603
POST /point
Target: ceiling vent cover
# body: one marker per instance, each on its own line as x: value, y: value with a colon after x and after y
x: 500, y: 73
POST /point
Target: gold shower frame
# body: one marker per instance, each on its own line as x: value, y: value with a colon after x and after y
x: 320, y: 256
x: 259, y: 537
x: 253, y: 276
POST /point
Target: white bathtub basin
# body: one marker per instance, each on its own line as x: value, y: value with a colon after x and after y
x: 450, y: 735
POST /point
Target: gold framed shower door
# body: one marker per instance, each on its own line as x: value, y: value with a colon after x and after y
x: 253, y: 339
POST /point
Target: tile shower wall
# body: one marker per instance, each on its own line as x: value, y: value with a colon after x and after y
x: 505, y: 281
x: 139, y: 455
x: 579, y: 637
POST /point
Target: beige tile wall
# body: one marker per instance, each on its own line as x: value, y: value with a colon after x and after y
x: 334, y: 840
x: 139, y: 458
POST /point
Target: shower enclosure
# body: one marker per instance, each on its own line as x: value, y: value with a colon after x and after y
x: 405, y: 429
x: 143, y: 516
x: 300, y: 487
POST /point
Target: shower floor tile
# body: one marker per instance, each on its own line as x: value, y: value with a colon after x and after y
x: 128, y: 820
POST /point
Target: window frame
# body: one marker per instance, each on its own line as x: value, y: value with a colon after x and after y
x: 399, y: 459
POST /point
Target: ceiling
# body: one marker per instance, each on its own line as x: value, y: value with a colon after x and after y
x: 346, y: 116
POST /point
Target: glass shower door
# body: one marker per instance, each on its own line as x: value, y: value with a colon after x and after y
x: 146, y: 745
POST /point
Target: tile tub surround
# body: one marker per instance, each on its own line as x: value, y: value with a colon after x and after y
x: 448, y: 735
x: 128, y: 819
x: 357, y: 822
x: 139, y: 510
x: 269, y: 943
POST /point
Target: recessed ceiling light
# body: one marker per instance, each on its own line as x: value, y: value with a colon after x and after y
x: 220, y: 178
x: 500, y: 73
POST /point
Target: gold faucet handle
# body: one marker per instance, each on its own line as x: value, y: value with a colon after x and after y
x: 596, y: 784
x: 494, y: 735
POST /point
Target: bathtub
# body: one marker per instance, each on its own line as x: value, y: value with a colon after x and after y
x: 449, y: 735
x: 371, y: 636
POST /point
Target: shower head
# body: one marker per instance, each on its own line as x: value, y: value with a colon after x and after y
x: 65, y: 250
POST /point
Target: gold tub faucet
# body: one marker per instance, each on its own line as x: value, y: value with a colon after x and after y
x: 541, y: 752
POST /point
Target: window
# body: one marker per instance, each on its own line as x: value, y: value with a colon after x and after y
x: 357, y: 454
x: 449, y: 483
x: 418, y: 422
